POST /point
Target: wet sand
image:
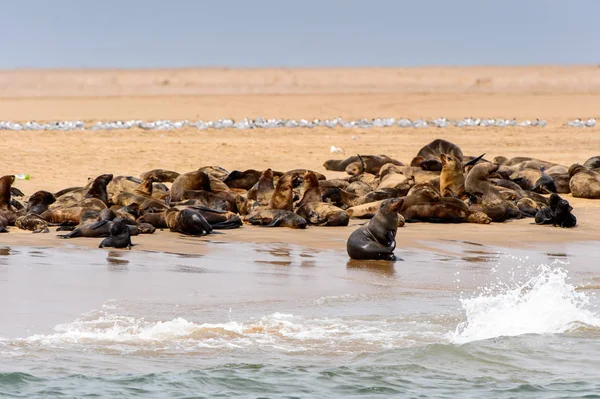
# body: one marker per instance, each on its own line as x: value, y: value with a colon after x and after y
x: 56, y: 160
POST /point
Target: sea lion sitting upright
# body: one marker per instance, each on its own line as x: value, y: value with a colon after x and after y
x: 120, y: 236
x: 6, y: 209
x: 314, y: 210
x: 452, y: 176
x: 283, y: 195
x: 98, y: 188
x: 377, y: 239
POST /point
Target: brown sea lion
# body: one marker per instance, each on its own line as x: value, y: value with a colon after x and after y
x: 5, y: 194
x: 312, y: 191
x: 98, y: 188
x: 244, y: 180
x: 489, y: 200
x: 196, y: 180
x: 32, y: 222
x: 593, y: 162
x: 323, y: 214
x: 265, y: 187
x: 377, y: 239
x: 64, y: 215
x: 160, y: 175
x: 584, y: 183
x: 275, y: 218
x: 528, y: 207
x: 370, y: 164
x: 204, y: 198
x: 3, y: 223
x: 39, y: 201
x: 428, y: 157
x: 187, y: 221
x: 452, y: 177
x: 283, y: 194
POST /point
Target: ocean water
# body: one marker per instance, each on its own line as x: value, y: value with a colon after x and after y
x: 282, y: 321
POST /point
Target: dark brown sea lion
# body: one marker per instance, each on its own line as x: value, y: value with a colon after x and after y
x: 65, y: 191
x: 584, y: 183
x: 312, y: 191
x: 265, y: 187
x: 490, y: 200
x: 160, y: 175
x: 32, y: 222
x: 428, y: 157
x: 120, y: 236
x: 5, y: 186
x: 196, y: 180
x: 557, y: 213
x: 283, y: 194
x: 593, y: 162
x: 98, y: 188
x: 529, y: 207
x: 187, y: 221
x: 3, y: 223
x: 275, y: 218
x: 39, y: 201
x: 377, y: 239
x: 244, y: 180
x: 205, y: 198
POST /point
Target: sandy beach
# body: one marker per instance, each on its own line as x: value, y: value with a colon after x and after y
x: 56, y: 160
x: 498, y: 310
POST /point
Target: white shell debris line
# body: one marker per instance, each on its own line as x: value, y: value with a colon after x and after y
x: 261, y: 123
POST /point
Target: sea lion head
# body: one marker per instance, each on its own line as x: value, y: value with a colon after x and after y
x: 500, y: 160
x: 391, y: 205
x: 353, y: 169
x: 576, y: 168
x: 450, y: 163
x: 481, y: 171
x: 310, y: 180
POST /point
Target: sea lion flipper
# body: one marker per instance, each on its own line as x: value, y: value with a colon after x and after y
x: 474, y: 160
x: 98, y: 224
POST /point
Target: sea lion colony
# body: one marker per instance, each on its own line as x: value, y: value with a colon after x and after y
x: 440, y: 185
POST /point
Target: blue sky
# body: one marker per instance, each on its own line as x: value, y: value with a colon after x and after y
x: 307, y: 33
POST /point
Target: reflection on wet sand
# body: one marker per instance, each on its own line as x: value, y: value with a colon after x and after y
x: 379, y: 267
x: 115, y: 261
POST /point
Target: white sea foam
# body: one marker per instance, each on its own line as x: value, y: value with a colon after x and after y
x: 278, y: 331
x: 546, y: 303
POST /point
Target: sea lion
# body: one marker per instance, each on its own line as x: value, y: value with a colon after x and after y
x: 557, y: 213
x: 3, y: 223
x: 39, y: 201
x: 265, y: 187
x: 244, y: 180
x: 428, y: 157
x: 120, y: 236
x: 323, y: 214
x: 370, y: 164
x: 187, y: 221
x: 312, y: 191
x: 529, y: 207
x: 490, y: 200
x: 204, y: 198
x: 196, y: 180
x: 6, y: 208
x: 283, y: 195
x: 98, y: 188
x: 32, y: 222
x: 452, y: 177
x: 593, y: 162
x: 544, y: 184
x: 275, y: 218
x: 584, y: 183
x: 160, y: 175
x: 69, y: 215
x: 377, y: 239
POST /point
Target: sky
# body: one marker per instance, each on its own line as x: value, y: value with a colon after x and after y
x: 294, y: 33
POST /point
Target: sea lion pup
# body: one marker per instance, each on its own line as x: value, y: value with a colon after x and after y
x: 377, y: 239
x: 557, y: 213
x: 593, y: 162
x: 428, y: 157
x: 275, y: 218
x: 584, y: 183
x: 160, y: 175
x: 489, y: 200
x: 244, y: 180
x: 98, y: 188
x: 120, y: 236
x: 39, y: 201
x: 283, y: 195
x: 196, y: 180
x: 187, y: 221
x: 32, y: 222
